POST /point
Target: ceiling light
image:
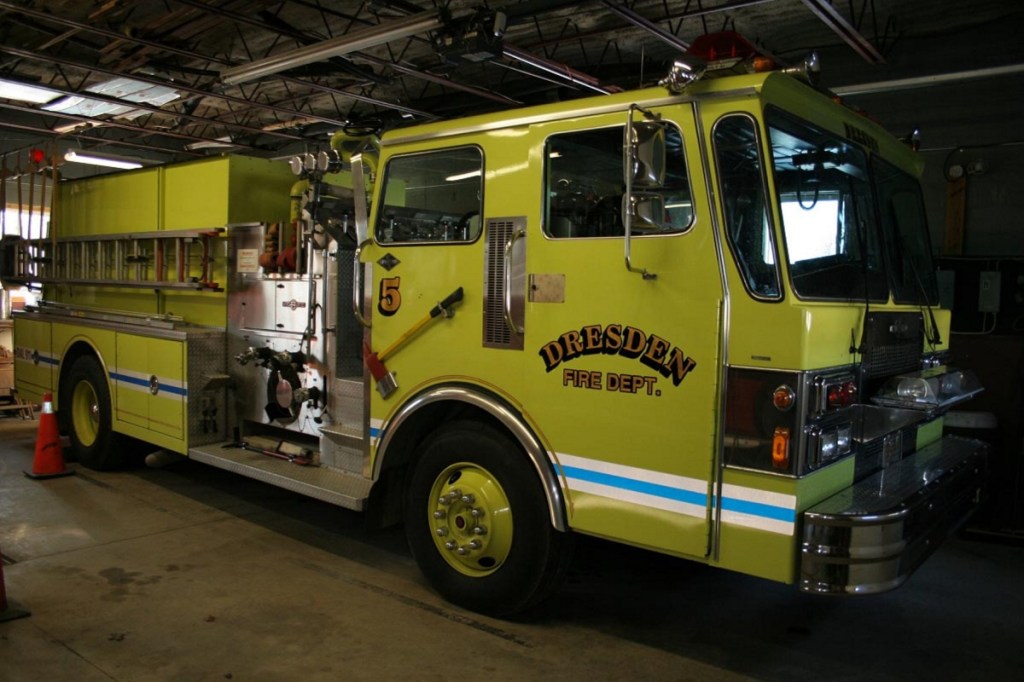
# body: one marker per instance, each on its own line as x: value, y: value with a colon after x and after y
x: 350, y: 42
x: 26, y: 93
x: 463, y: 176
x: 75, y: 157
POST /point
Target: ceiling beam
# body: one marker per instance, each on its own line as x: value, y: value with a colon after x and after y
x: 29, y: 55
x: 198, y: 57
x: 648, y: 25
x: 109, y: 123
x: 102, y: 141
x: 158, y: 111
x: 824, y: 10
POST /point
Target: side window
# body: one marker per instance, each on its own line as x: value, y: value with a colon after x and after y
x: 584, y: 185
x: 432, y: 197
x: 747, y: 226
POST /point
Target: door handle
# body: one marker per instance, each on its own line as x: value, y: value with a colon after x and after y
x: 507, y: 281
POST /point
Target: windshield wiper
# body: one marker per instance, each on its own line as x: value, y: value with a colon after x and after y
x: 934, y: 338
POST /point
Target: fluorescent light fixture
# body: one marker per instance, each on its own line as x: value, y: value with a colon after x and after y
x: 463, y: 176
x: 345, y: 44
x: 100, y: 161
x: 26, y: 93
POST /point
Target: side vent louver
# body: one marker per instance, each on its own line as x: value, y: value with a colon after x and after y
x: 497, y: 333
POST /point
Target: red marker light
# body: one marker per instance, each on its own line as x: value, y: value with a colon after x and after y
x: 36, y: 155
x: 842, y: 395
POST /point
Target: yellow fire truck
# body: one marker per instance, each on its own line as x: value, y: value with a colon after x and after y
x: 699, y: 318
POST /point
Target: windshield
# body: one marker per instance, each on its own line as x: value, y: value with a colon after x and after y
x: 905, y: 233
x: 827, y: 209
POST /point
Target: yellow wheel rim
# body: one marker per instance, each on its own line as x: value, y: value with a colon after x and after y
x: 471, y: 519
x: 85, y: 413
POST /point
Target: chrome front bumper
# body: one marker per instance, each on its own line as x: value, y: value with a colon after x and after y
x: 870, y: 537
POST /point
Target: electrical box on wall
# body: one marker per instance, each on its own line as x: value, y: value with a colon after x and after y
x: 988, y: 292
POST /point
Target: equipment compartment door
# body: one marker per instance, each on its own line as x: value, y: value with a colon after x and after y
x: 623, y: 378
x: 149, y: 383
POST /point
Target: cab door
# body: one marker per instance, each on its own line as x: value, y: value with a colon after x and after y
x: 622, y: 364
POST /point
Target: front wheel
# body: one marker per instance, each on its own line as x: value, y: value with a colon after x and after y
x: 477, y: 522
x: 86, y: 398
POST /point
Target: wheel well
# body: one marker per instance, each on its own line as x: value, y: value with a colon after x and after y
x: 425, y: 421
x: 389, y: 491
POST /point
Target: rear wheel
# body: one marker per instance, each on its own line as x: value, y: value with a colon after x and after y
x: 87, y: 401
x: 477, y: 522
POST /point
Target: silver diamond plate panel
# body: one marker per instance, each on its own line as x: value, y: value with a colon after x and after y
x: 323, y: 483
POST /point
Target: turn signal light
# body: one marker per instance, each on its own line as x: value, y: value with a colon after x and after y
x: 783, y: 398
x: 780, y: 448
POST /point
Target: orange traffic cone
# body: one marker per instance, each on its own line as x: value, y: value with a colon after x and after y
x: 49, y: 458
x: 8, y: 610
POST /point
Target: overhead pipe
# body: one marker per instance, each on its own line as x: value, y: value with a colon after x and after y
x: 334, y: 47
x: 648, y: 25
x: 562, y: 71
x: 927, y: 81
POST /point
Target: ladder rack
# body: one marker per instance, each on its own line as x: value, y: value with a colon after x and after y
x: 165, y: 259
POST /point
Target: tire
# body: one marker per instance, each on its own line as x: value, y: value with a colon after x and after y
x: 488, y: 545
x: 88, y: 416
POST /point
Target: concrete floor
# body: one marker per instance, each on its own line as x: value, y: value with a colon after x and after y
x: 190, y: 573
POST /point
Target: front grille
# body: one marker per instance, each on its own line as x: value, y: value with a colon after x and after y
x: 892, y: 344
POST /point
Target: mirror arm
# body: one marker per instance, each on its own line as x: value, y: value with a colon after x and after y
x: 627, y: 213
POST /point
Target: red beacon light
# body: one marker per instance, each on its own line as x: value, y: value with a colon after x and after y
x: 723, y: 46
x: 36, y: 156
x: 729, y: 52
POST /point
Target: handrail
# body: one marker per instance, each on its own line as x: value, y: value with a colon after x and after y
x: 357, y: 287
x: 507, y: 281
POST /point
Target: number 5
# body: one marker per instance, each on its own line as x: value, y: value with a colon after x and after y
x: 390, y: 299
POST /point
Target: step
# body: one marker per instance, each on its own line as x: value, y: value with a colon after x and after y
x: 323, y: 483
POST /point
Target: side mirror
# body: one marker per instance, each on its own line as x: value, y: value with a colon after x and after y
x: 645, y: 164
x: 646, y: 211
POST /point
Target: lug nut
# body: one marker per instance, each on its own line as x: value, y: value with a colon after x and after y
x: 450, y: 545
x: 479, y: 530
x: 439, y: 514
x: 474, y: 544
x: 444, y: 500
x: 441, y: 532
x: 462, y: 551
x: 468, y: 499
x: 476, y: 512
